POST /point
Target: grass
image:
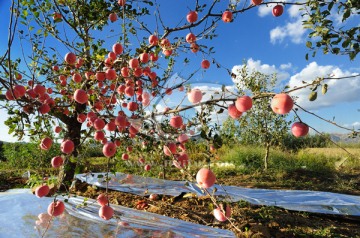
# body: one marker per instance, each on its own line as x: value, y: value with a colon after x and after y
x: 311, y: 168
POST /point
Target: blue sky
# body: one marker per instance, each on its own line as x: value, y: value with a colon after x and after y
x: 268, y: 44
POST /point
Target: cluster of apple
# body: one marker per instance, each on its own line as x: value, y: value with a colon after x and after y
x: 206, y: 179
x: 281, y: 104
x: 105, y: 211
x: 129, y: 81
x: 56, y: 208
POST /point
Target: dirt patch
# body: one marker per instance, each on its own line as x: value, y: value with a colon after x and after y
x: 8, y: 181
x: 249, y: 220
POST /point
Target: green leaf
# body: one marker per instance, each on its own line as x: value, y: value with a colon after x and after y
x: 25, y: 13
x: 324, y: 88
x: 308, y: 44
x: 312, y: 96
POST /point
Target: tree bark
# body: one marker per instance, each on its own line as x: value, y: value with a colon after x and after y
x: 266, y: 158
x: 68, y: 171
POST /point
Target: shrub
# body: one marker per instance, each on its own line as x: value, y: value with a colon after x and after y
x: 29, y: 155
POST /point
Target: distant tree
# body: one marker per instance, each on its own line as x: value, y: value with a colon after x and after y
x: 260, y: 125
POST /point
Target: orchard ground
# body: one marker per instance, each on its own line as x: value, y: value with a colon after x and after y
x: 308, y: 169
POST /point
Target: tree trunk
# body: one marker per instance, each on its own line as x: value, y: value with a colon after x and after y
x: 267, y: 151
x: 68, y: 171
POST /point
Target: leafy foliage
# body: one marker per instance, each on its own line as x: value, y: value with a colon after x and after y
x: 329, y: 35
x: 29, y: 155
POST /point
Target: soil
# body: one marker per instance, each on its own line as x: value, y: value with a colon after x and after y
x: 248, y: 220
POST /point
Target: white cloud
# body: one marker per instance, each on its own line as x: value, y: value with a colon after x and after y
x: 285, y: 66
x: 339, y: 91
x: 256, y: 65
x: 355, y: 125
x: 292, y: 30
x: 294, y: 11
x: 265, y: 10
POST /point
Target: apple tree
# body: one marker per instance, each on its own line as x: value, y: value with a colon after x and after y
x: 260, y: 126
x: 93, y: 69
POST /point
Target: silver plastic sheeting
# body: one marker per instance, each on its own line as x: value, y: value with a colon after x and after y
x: 298, y: 200
x: 20, y: 208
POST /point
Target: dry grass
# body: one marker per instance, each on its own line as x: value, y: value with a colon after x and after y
x: 333, y: 152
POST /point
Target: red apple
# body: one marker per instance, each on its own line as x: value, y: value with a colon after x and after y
x: 141, y: 160
x: 124, y: 156
x: 57, y: 16
x: 147, y: 167
x: 56, y: 208
x: 57, y: 161
x: 110, y: 126
x: 144, y: 58
x: 77, y: 78
x: 99, y: 135
x: 169, y: 149
x: 219, y: 215
x: 282, y: 103
x: 39, y: 89
x: 227, y: 16
x: 100, y: 76
x: 18, y: 76
x: 44, y: 108
x: 176, y: 121
x: 205, y: 178
x: 57, y: 129
x: 46, y: 143
x: 195, y: 96
x: 165, y: 43
x: 256, y: 2
x: 192, y: 17
x: 80, y: 96
x: 154, y: 57
x: 153, y: 40
x: 183, y: 159
x: 110, y: 74
x: 134, y: 63
x: 113, y: 17
x: 132, y: 106
x: 70, y: 58
x: 190, y: 38
x: 117, y: 48
x: 42, y: 191
x: 99, y: 124
x: 120, y: 121
x: 19, y: 91
x: 102, y: 200
x: 205, y: 64
x: 194, y: 47
x: 278, y: 10
x: 81, y: 118
x: 106, y: 212
x: 233, y: 112
x: 299, y: 129
x: 243, y: 103
x: 182, y: 138
x: 67, y: 146
x: 122, y: 2
x: 167, y: 52
x: 109, y: 149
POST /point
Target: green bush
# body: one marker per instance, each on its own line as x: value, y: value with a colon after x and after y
x: 2, y: 157
x: 293, y: 143
x: 29, y: 155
